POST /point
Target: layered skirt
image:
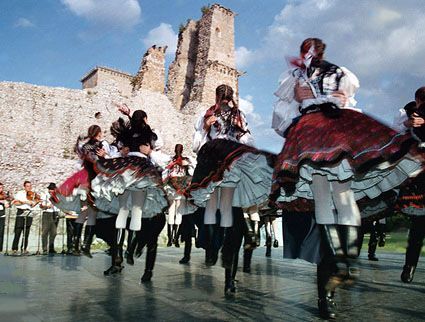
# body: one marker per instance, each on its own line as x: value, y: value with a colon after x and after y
x: 114, y: 176
x: 175, y: 188
x: 225, y: 163
x: 73, y: 192
x: 352, y: 147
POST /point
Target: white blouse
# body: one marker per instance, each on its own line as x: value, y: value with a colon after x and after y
x: 286, y: 108
x: 201, y: 136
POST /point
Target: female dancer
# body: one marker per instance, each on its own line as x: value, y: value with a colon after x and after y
x: 176, y: 178
x: 133, y: 180
x: 334, y: 155
x: 75, y: 193
x: 230, y: 174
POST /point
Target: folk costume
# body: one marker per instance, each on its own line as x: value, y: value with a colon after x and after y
x: 134, y: 182
x: 75, y: 194
x: 412, y: 196
x: 176, y: 178
x: 334, y: 155
x: 230, y: 175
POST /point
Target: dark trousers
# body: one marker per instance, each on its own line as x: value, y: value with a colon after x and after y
x: 2, y: 221
x: 48, y: 230
x: 70, y: 230
x: 22, y: 223
x: 415, y: 240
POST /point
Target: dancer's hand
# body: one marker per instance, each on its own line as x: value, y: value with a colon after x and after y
x: 341, y: 96
x: 417, y: 121
x: 124, y: 151
x: 302, y: 92
x: 100, y: 153
x: 210, y: 121
x: 145, y: 149
x: 123, y: 108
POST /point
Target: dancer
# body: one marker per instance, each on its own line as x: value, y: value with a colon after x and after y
x: 230, y: 174
x: 412, y: 194
x: 75, y: 194
x: 176, y: 178
x: 328, y: 145
x: 134, y: 180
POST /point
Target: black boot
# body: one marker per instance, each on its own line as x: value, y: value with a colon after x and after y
x: 381, y: 233
x: 116, y: 253
x: 130, y: 234
x: 131, y: 248
x: 326, y: 304
x: 351, y: 246
x: 247, y: 256
x: 211, y: 254
x: 408, y: 273
x: 413, y: 251
x: 88, y: 239
x: 176, y: 233
x: 249, y: 235
x: 332, y: 243
x: 371, y: 251
x: 170, y: 235
x: 268, y: 246
x: 228, y: 249
x: 373, y: 243
x: 150, y: 263
x: 230, y: 286
x: 76, y: 239
x: 187, y: 251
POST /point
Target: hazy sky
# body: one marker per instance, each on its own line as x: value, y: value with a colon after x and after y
x: 54, y: 42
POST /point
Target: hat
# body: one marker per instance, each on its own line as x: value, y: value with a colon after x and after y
x: 52, y: 186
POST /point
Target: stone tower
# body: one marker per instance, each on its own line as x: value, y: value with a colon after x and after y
x: 151, y: 74
x: 215, y: 62
x: 182, y: 70
x: 205, y: 58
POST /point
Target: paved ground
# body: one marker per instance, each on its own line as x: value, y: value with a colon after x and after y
x: 67, y: 288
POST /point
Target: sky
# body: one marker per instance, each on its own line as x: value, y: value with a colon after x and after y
x: 55, y: 42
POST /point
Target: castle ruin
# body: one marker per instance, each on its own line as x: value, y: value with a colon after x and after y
x: 205, y: 58
x: 151, y: 74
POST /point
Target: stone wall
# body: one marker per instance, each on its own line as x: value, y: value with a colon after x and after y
x: 40, y: 126
x: 151, y: 74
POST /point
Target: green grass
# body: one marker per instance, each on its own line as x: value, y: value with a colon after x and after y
x: 396, y: 242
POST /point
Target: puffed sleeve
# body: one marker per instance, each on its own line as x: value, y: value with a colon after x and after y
x: 160, y: 159
x: 399, y: 119
x: 191, y: 166
x: 111, y: 150
x: 349, y: 84
x: 159, y: 142
x: 286, y: 108
x: 200, y: 136
x: 246, y: 138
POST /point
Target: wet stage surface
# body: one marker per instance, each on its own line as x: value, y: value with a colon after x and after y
x: 68, y: 288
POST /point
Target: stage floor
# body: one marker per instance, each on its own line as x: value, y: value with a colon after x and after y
x: 68, y: 288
